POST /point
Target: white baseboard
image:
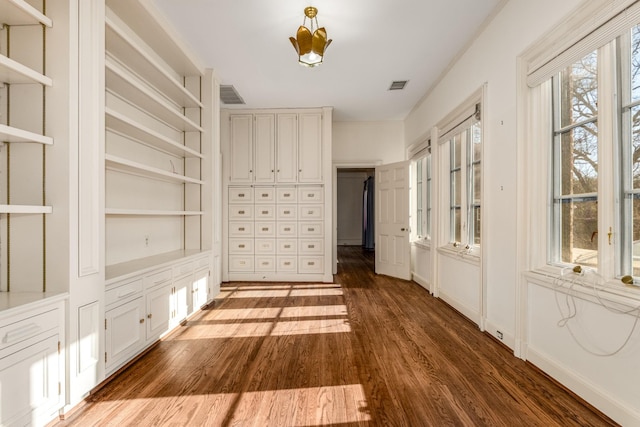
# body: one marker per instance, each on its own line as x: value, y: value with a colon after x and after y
x: 507, y: 339
x: 421, y: 281
x: 614, y: 409
x: 467, y: 312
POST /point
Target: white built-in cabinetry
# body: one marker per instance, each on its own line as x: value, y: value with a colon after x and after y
x: 277, y: 175
x: 159, y: 182
x: 34, y: 123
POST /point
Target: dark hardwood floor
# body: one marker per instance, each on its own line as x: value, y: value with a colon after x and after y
x: 365, y: 351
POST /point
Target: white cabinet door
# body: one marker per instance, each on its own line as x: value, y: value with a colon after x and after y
x: 241, y: 148
x: 200, y: 288
x: 158, y: 311
x: 310, y: 147
x: 180, y: 301
x: 30, y: 381
x: 287, y: 148
x: 124, y: 334
x: 264, y: 148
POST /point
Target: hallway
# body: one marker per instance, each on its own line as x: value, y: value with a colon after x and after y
x: 367, y: 350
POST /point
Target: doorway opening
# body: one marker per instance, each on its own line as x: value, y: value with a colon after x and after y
x: 355, y: 209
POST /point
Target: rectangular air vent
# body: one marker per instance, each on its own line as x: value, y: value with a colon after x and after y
x: 398, y: 85
x: 229, y: 95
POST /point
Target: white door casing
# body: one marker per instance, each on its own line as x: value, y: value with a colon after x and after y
x: 393, y: 251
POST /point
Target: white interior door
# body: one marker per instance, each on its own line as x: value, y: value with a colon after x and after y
x: 393, y: 251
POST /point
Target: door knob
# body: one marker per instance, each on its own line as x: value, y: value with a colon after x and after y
x: 403, y: 229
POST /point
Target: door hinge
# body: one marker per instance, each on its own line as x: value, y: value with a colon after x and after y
x: 105, y: 324
x: 105, y: 357
x: 58, y: 347
x: 59, y: 388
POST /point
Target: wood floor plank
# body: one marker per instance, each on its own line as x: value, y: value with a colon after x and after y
x: 367, y: 350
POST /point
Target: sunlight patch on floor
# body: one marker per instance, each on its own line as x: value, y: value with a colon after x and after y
x: 314, y: 406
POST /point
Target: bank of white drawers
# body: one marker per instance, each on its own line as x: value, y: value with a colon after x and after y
x: 276, y: 229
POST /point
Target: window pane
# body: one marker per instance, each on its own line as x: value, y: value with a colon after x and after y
x: 579, y: 160
x: 476, y: 184
x: 476, y: 225
x: 636, y: 237
x: 456, y: 152
x: 476, y: 141
x: 455, y: 225
x: 579, y: 225
x: 635, y: 146
x: 579, y: 94
x: 455, y: 188
x: 635, y: 64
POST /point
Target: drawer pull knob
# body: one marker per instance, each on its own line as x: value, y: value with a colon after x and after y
x: 287, y: 229
x: 312, y: 263
x: 311, y: 195
x: 265, y: 194
x: 241, y: 212
x: 312, y: 246
x: 287, y: 246
x: 241, y: 229
x: 241, y: 195
x: 142, y: 320
x: 265, y: 212
x: 149, y: 316
x: 312, y: 229
x: 287, y: 263
x: 287, y: 212
x: 265, y: 263
x: 241, y: 246
x: 310, y: 212
x: 287, y: 195
x: 265, y: 228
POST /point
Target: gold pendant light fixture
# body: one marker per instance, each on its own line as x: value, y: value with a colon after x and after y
x: 310, y: 44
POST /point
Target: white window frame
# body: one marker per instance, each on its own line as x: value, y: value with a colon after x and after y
x: 596, y: 26
x: 421, y: 153
x: 458, y: 122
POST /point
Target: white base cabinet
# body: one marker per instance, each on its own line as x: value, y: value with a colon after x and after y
x: 31, y: 363
x: 144, y: 306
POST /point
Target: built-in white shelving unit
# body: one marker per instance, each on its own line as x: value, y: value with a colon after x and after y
x: 32, y: 296
x: 154, y: 137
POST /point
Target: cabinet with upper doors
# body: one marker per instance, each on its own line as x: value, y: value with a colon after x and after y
x: 280, y: 147
x: 277, y: 229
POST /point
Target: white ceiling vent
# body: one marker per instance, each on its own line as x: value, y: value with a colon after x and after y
x: 229, y: 95
x: 398, y: 84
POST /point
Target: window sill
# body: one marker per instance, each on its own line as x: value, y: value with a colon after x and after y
x: 424, y: 244
x: 471, y: 257
x: 587, y: 287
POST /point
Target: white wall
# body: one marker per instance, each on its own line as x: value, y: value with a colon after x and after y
x: 608, y: 383
x: 368, y: 142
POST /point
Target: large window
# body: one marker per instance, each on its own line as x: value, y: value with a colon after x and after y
x: 594, y: 216
x: 465, y: 183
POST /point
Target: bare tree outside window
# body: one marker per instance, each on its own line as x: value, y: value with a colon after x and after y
x: 576, y: 163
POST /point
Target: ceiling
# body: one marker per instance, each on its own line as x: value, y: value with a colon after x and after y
x: 375, y: 42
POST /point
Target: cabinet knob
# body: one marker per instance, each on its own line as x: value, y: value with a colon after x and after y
x: 149, y: 316
x: 299, y: 170
x: 142, y: 320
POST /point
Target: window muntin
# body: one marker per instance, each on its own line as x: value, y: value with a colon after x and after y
x: 575, y: 164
